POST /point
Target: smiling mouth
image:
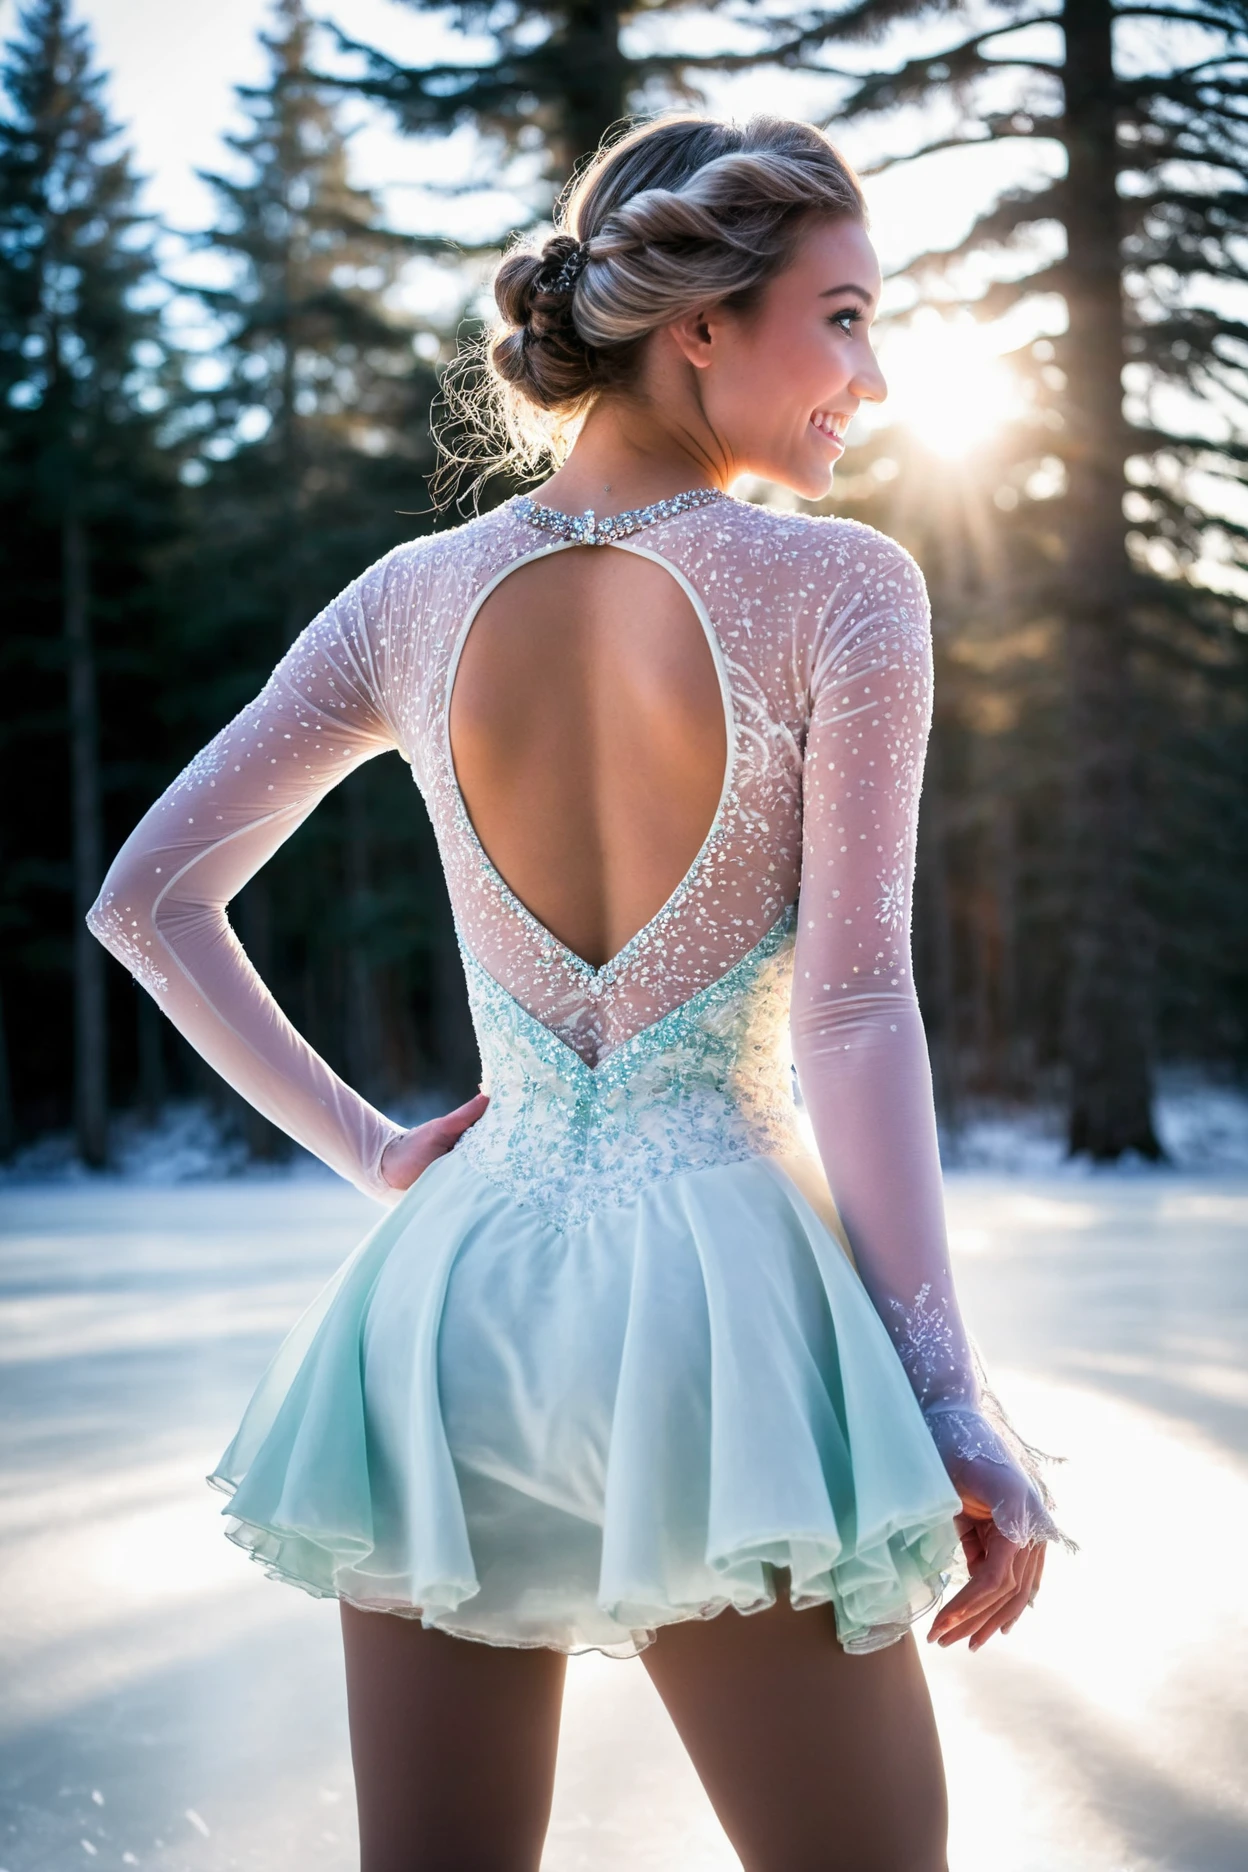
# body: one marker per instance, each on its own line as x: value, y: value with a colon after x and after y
x: 832, y: 424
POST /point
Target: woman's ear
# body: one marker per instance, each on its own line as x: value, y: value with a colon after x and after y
x: 693, y: 334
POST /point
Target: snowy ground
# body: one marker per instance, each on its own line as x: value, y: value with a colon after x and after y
x: 1203, y: 1126
x: 166, y: 1706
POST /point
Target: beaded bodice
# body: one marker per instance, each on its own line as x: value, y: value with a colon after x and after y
x: 710, y: 1082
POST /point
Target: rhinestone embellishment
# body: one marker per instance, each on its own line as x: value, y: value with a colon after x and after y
x: 587, y: 529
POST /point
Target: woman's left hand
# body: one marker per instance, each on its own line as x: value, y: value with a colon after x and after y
x: 1004, y: 1581
x: 404, y: 1158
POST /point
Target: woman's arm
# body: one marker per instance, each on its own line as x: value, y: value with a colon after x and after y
x: 162, y: 907
x: 858, y: 1037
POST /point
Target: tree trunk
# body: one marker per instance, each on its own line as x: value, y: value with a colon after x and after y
x: 363, y: 1050
x: 87, y: 866
x: 8, y: 1125
x: 1005, y: 878
x: 1106, y: 1026
x: 595, y: 82
x: 153, y: 1081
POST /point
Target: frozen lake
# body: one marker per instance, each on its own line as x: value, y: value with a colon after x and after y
x: 166, y: 1706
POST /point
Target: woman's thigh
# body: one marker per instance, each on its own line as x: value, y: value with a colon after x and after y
x: 453, y: 1745
x: 814, y: 1761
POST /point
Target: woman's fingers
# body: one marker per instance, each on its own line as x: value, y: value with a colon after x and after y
x: 1030, y: 1585
x: 456, y: 1122
x: 976, y: 1617
x: 1003, y: 1616
x: 967, y: 1615
x: 404, y: 1158
x: 992, y: 1559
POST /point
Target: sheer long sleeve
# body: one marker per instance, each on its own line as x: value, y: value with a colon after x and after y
x: 162, y: 908
x: 858, y: 1037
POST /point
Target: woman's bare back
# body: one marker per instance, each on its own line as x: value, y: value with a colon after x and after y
x: 588, y: 733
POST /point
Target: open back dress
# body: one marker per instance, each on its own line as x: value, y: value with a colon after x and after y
x: 670, y: 1316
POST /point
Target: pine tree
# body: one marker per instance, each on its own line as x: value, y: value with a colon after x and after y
x: 315, y: 455
x: 564, y: 73
x: 1152, y: 211
x: 321, y: 375
x: 83, y: 496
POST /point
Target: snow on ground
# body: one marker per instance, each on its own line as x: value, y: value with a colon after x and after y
x: 1202, y: 1126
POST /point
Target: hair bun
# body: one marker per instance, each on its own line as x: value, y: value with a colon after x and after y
x: 564, y: 260
x: 540, y: 352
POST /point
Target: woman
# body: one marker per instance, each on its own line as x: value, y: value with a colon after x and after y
x: 614, y: 1372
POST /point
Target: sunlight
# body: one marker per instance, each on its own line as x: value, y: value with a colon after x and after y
x: 947, y: 384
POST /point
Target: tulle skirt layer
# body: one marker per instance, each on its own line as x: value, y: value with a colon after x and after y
x: 530, y: 1436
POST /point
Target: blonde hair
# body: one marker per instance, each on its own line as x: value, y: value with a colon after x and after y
x: 678, y: 212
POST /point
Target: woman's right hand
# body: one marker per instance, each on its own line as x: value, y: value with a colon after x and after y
x: 406, y: 1157
x: 1005, y: 1524
x: 1004, y: 1580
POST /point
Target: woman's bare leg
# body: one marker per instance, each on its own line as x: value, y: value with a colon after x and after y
x: 453, y: 1745
x: 814, y: 1761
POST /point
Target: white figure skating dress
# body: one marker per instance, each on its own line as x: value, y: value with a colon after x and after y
x: 617, y: 1356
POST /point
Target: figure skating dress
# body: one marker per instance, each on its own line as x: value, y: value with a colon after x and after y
x: 672, y: 1315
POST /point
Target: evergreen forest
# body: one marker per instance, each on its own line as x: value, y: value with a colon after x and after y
x: 174, y: 508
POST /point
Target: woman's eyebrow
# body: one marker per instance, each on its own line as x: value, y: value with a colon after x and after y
x: 830, y: 292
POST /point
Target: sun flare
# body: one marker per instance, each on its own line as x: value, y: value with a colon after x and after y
x: 947, y: 384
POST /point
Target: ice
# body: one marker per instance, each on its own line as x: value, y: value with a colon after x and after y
x: 146, y: 1661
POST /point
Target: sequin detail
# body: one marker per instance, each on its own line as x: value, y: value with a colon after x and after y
x: 123, y: 933
x: 590, y: 529
x: 709, y: 1083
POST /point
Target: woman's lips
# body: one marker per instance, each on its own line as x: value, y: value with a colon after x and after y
x: 823, y: 428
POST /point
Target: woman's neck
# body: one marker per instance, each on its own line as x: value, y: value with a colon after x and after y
x: 629, y: 455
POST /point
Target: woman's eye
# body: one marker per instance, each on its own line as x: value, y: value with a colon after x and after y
x: 846, y: 320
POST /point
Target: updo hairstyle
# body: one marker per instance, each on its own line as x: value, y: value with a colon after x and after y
x: 679, y: 212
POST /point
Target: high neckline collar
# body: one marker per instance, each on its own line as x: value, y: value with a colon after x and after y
x: 591, y: 529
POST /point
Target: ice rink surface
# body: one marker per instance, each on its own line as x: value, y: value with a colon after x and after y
x: 164, y: 1705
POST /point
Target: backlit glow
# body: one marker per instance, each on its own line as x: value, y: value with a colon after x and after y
x: 947, y: 384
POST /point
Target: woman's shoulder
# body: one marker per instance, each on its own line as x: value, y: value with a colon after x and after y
x: 826, y: 573
x: 401, y: 583
x: 837, y: 545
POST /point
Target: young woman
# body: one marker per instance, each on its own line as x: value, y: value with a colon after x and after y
x: 617, y: 1370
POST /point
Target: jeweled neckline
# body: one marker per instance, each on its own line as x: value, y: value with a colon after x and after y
x: 591, y: 529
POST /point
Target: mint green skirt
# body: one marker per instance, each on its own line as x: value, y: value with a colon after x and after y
x: 572, y: 1437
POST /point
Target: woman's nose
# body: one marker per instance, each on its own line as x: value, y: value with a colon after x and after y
x: 869, y: 382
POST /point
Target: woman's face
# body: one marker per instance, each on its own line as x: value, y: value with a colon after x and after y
x: 780, y: 385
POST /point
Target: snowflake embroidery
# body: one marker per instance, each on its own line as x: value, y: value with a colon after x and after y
x: 890, y: 905
x: 926, y: 1344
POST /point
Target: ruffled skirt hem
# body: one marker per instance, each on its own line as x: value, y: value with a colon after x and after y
x: 861, y: 1626
x: 571, y: 1439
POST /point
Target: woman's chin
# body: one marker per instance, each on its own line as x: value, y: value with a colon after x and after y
x: 809, y: 480
x: 814, y: 482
